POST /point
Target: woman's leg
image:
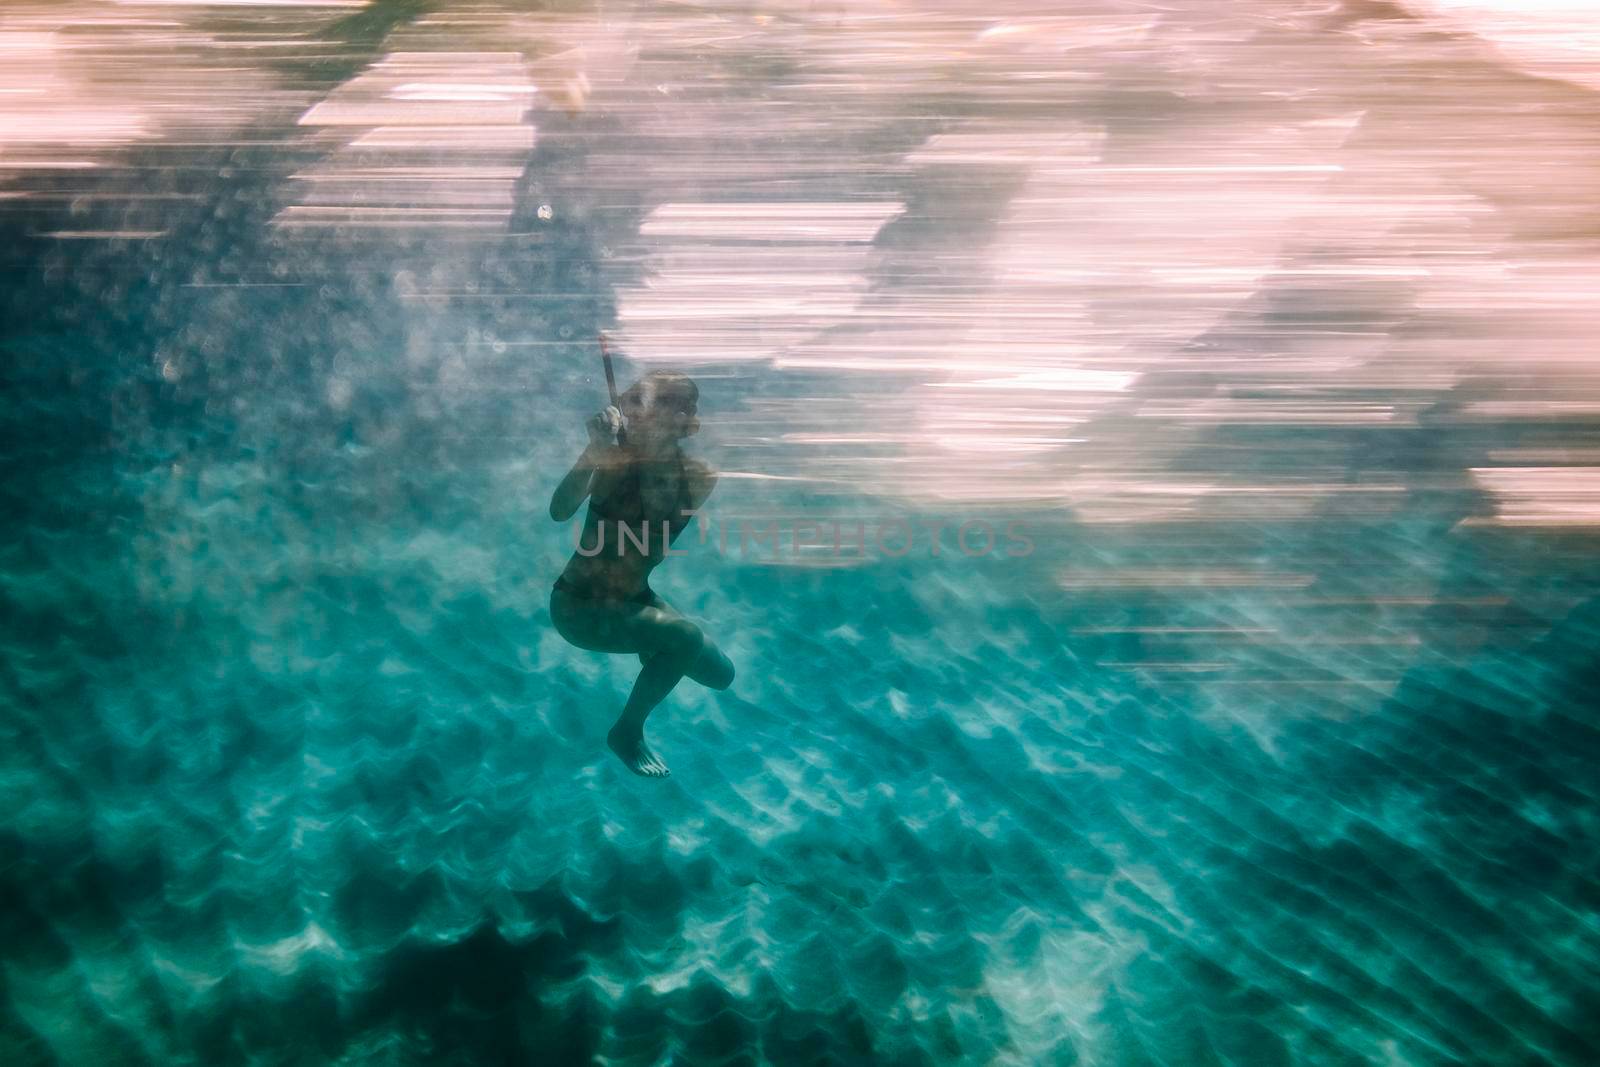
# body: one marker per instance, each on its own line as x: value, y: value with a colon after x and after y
x: 670, y: 647
x: 711, y: 668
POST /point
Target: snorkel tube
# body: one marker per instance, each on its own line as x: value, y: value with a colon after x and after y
x: 611, y: 383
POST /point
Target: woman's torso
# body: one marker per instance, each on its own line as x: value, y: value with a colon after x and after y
x: 631, y: 520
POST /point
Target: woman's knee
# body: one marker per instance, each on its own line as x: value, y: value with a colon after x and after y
x: 680, y: 639
x: 714, y: 668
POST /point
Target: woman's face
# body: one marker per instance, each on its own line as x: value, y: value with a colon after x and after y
x: 656, y: 419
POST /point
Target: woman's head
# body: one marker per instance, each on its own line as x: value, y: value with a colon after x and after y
x: 660, y: 408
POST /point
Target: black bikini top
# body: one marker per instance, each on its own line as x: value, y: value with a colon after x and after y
x: 625, y: 502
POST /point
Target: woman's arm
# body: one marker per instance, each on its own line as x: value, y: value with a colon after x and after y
x: 574, y: 487
x: 702, y: 479
x: 601, y: 453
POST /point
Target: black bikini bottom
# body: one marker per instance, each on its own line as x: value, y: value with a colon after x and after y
x: 643, y: 596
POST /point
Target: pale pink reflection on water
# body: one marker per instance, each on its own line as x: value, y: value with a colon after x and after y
x: 1205, y: 262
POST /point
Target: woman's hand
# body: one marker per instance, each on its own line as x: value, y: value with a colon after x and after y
x: 601, y: 455
x: 605, y: 426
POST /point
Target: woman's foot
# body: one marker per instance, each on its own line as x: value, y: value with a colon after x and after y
x: 640, y: 758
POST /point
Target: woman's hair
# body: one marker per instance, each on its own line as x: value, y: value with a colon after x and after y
x: 667, y: 389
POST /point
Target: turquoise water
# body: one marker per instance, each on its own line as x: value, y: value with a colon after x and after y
x: 295, y: 769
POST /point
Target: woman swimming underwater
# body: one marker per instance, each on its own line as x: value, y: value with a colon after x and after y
x: 642, y: 493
